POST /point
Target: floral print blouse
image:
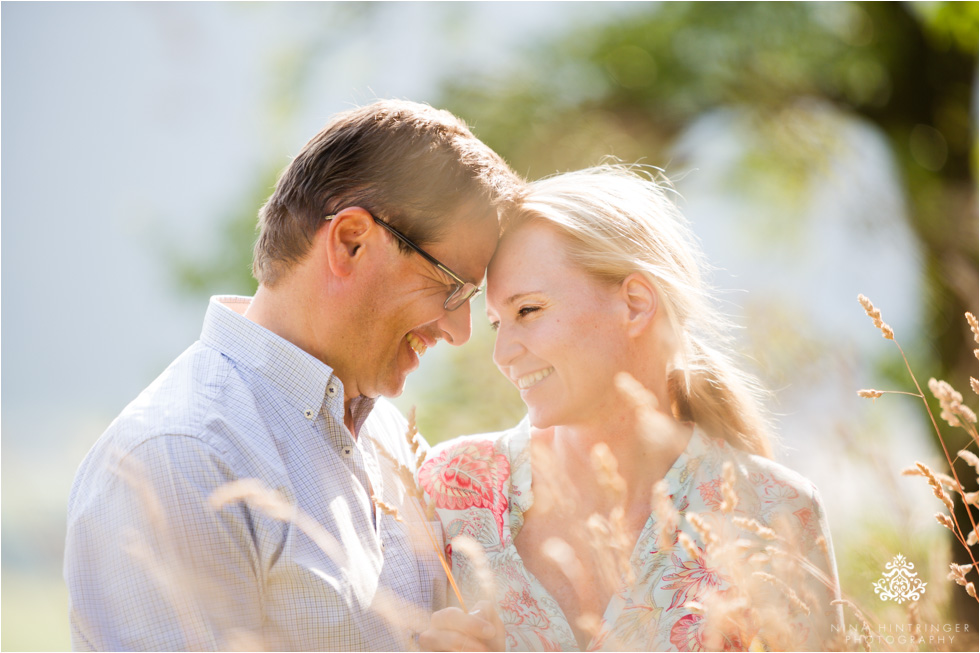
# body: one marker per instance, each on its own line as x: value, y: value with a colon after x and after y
x: 481, y: 487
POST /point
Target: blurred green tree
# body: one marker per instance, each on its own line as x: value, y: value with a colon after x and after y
x: 629, y: 87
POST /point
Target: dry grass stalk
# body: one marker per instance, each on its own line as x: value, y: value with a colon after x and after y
x: 822, y: 545
x: 913, y: 614
x: 666, y: 513
x: 763, y: 532
x: 479, y: 568
x: 957, y: 573
x: 955, y: 414
x: 865, y: 626
x: 763, y: 575
x: 970, y: 458
x: 945, y: 520
x: 424, y: 510
x: 785, y: 589
x: 972, y: 321
x: 937, y: 488
x: 654, y: 424
x: 951, y: 402
x: 729, y: 498
x: 687, y: 543
x: 703, y: 528
x: 414, y: 440
x: 870, y: 394
x: 589, y: 623
x: 765, y: 584
x: 160, y: 552
x: 561, y: 553
x: 203, y: 607
x: 875, y: 315
x: 609, y: 536
x: 401, y: 614
x: 271, y: 502
x: 386, y: 508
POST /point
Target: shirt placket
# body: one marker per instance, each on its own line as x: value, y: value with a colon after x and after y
x: 351, y: 451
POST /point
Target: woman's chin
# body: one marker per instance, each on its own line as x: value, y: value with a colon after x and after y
x: 539, y: 419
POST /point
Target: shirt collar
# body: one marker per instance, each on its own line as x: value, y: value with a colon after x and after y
x: 307, y: 383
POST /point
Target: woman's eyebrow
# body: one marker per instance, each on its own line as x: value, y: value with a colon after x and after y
x: 516, y: 296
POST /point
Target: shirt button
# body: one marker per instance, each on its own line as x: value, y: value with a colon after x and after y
x: 347, y: 450
x: 332, y: 389
x: 309, y: 413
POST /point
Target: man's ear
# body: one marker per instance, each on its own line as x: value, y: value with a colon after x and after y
x: 642, y: 301
x: 344, y: 237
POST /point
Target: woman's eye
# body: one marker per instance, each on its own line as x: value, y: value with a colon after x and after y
x: 524, y: 311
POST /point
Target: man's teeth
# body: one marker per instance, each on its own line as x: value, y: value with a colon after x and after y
x: 533, y: 378
x: 417, y: 345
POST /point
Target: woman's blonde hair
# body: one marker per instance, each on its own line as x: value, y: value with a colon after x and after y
x: 620, y: 219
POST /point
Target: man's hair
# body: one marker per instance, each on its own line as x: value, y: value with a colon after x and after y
x: 411, y: 165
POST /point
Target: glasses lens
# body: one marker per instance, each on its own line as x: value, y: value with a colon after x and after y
x: 461, y: 295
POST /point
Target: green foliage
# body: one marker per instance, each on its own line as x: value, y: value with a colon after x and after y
x: 227, y: 269
x: 792, y: 73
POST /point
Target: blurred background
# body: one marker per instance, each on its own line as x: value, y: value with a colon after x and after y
x: 820, y: 150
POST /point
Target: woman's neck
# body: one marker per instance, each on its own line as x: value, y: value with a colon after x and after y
x: 639, y: 450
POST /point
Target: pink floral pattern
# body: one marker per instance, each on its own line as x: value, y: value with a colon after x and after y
x: 688, y: 634
x: 470, y: 474
x: 691, y: 580
x: 481, y: 487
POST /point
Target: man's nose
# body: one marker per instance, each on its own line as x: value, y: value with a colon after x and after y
x: 456, y: 325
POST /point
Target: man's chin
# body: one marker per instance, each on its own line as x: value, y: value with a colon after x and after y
x: 394, y: 388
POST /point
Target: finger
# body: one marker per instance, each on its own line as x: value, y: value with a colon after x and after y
x: 469, y: 625
x: 486, y: 610
x: 450, y: 640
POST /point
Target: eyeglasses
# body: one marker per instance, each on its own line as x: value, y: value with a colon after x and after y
x: 464, y: 290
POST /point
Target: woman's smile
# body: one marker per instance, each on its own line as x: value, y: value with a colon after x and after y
x: 534, y: 378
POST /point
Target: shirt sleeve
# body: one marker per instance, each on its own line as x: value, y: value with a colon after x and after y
x: 798, y: 611
x: 821, y: 587
x: 149, y: 564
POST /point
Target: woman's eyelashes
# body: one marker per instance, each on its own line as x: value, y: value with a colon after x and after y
x: 524, y: 311
x: 521, y: 313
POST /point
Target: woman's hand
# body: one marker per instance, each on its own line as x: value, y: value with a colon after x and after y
x: 452, y: 629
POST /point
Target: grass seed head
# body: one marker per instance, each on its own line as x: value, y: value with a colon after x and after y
x: 972, y: 321
x: 970, y: 458
x: 945, y: 520
x: 951, y: 401
x: 957, y: 573
x: 729, y: 497
x: 934, y: 483
x: 875, y: 315
x: 665, y: 512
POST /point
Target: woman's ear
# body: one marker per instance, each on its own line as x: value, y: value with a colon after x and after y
x: 640, y: 296
x: 344, y: 237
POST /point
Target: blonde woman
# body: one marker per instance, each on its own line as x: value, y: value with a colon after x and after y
x: 605, y: 326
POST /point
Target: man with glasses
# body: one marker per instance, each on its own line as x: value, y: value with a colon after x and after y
x: 249, y: 497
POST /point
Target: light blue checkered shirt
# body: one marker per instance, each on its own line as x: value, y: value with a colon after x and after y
x: 151, y: 565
